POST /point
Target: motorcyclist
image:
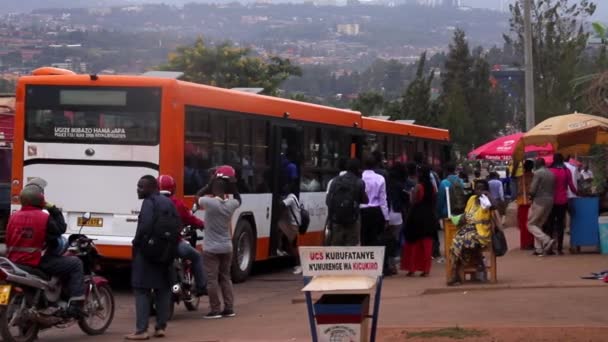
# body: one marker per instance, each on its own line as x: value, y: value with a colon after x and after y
x: 184, y: 249
x: 35, y: 229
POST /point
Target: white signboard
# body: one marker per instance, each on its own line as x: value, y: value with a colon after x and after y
x: 342, y: 261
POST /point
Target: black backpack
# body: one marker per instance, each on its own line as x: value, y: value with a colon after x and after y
x: 343, y: 200
x: 159, y: 246
x: 304, y: 216
x: 458, y: 198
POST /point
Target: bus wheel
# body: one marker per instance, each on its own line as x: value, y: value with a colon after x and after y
x: 244, y: 251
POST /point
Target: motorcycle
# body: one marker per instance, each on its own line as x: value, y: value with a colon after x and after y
x: 31, y: 300
x: 184, y: 288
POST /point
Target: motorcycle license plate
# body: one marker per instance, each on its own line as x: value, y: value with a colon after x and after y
x: 5, y: 294
x: 92, y: 222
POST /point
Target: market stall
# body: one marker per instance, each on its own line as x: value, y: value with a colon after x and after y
x: 574, y: 134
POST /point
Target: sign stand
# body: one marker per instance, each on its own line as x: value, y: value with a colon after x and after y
x: 347, y: 276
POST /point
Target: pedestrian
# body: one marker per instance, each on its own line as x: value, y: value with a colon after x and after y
x: 397, y: 197
x: 477, y: 175
x: 374, y: 214
x: 497, y: 194
x: 217, y: 245
x: 542, y: 192
x: 563, y: 183
x: 289, y: 223
x: 150, y: 277
x: 523, y: 205
x: 344, y: 198
x: 468, y: 186
x: 419, y: 159
x: 457, y: 194
x: 587, y: 174
x: 421, y: 226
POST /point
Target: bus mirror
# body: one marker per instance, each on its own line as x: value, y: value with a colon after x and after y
x: 86, y: 216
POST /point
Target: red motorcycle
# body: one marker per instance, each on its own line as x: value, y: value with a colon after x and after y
x: 31, y: 300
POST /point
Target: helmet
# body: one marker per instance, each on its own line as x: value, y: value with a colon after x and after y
x: 225, y: 172
x: 166, y: 184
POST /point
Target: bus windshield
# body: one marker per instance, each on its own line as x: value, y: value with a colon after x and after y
x: 93, y: 115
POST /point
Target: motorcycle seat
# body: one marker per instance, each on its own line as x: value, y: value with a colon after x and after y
x: 33, y: 271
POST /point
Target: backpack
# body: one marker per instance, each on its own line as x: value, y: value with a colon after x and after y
x: 343, y: 201
x: 159, y: 246
x: 458, y: 198
x: 304, y: 216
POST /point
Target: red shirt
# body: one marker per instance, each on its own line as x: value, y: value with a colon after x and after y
x: 188, y: 219
x: 563, y: 180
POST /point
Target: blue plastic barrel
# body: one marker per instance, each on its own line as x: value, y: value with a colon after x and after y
x: 584, y: 230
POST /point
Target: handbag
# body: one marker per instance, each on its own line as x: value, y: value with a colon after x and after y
x: 499, y: 241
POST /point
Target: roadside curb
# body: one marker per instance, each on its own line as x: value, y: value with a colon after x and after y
x: 549, y: 285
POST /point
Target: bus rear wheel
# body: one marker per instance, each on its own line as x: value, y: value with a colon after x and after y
x: 244, y: 251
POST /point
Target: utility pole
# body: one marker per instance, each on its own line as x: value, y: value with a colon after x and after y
x: 529, y: 65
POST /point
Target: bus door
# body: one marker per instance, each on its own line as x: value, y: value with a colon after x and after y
x: 286, y: 160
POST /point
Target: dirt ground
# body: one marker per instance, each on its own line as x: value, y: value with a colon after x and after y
x: 536, y: 299
x: 513, y: 334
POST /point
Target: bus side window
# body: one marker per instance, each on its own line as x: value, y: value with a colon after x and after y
x: 196, y: 150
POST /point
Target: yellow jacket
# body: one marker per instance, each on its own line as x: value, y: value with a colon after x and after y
x: 482, y: 218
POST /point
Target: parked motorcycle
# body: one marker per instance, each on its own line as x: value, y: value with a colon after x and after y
x: 31, y: 300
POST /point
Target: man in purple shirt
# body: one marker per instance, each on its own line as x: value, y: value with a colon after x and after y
x: 374, y: 214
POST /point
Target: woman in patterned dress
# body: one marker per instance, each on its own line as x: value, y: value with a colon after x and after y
x: 475, y: 230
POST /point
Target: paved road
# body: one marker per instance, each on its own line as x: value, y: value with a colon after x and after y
x: 544, y: 292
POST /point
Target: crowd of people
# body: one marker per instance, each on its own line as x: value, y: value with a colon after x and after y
x: 401, y: 207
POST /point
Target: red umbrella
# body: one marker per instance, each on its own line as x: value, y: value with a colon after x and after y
x: 503, y: 148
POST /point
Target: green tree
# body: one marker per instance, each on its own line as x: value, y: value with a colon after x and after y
x: 229, y: 66
x: 369, y: 104
x: 456, y: 111
x: 7, y: 86
x: 559, y: 41
x: 416, y: 101
x: 469, y: 106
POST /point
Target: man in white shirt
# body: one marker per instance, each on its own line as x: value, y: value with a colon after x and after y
x: 374, y: 214
x: 571, y: 195
x: 586, y: 173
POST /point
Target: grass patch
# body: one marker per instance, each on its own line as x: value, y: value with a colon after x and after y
x: 456, y: 333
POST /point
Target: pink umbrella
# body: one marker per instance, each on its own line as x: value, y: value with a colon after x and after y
x: 503, y: 148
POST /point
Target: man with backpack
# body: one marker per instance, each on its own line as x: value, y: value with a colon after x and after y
x: 346, y: 193
x: 154, y: 248
x: 458, y: 199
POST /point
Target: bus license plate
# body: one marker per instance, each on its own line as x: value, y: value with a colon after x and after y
x: 92, y: 222
x: 5, y: 294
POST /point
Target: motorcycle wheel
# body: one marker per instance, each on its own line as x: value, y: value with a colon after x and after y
x: 26, y: 331
x: 192, y: 303
x: 103, y: 310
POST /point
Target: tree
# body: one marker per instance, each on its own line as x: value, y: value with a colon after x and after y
x: 455, y: 109
x: 559, y: 40
x: 7, y: 86
x: 228, y: 66
x: 369, y: 104
x: 416, y: 101
x: 469, y: 106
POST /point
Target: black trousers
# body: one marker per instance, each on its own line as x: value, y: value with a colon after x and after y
x: 557, y: 224
x: 372, y: 226
x: 69, y: 269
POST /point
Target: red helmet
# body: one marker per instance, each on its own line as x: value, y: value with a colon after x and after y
x: 225, y: 171
x: 166, y: 184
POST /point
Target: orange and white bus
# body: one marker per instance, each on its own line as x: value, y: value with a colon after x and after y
x: 93, y: 136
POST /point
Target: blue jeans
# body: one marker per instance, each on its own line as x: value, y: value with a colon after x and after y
x: 162, y: 298
x: 186, y: 251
